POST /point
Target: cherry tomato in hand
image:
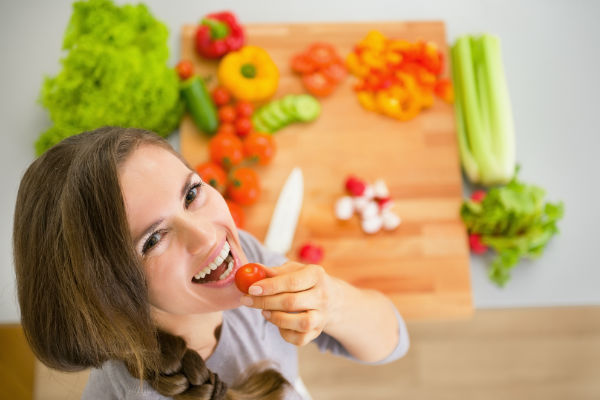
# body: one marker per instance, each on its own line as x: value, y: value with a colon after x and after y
x: 221, y: 96
x: 237, y: 213
x: 227, y: 114
x: 226, y: 150
x: 247, y: 275
x: 213, y: 174
x: 259, y: 146
x: 184, y: 69
x: 243, y: 126
x: 243, y: 186
x: 244, y: 109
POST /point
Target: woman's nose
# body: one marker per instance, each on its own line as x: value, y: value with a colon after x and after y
x: 195, y: 234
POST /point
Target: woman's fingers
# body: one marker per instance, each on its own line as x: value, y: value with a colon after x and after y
x: 292, y: 277
x: 304, y: 322
x: 298, y: 338
x: 288, y: 302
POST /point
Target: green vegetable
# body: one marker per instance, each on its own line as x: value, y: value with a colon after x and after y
x: 515, y: 222
x: 484, y: 118
x: 280, y: 113
x: 200, y: 104
x: 114, y: 73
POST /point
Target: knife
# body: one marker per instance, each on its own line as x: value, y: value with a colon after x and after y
x: 285, y: 217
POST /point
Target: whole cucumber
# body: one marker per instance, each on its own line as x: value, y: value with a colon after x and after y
x: 200, y: 104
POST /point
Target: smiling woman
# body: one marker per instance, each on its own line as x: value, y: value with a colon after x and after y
x: 125, y: 262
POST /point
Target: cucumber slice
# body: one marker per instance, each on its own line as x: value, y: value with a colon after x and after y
x: 288, y: 105
x: 268, y: 120
x: 259, y: 125
x: 306, y: 108
x: 276, y: 109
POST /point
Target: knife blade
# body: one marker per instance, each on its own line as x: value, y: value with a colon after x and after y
x: 285, y: 216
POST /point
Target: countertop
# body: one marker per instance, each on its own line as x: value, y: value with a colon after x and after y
x: 551, y: 58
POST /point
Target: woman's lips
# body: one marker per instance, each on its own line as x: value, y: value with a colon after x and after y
x: 220, y: 283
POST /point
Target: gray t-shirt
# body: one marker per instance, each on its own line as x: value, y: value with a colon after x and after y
x: 246, y: 338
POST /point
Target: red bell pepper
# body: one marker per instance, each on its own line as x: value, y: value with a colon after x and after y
x: 218, y: 34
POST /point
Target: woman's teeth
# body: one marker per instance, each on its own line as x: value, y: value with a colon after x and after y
x: 227, y: 271
x: 214, y: 264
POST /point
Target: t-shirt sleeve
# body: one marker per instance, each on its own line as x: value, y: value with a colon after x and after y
x: 256, y: 252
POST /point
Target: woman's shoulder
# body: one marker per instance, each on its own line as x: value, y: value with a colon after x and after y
x: 256, y: 252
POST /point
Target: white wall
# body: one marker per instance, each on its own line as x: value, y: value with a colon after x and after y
x: 551, y: 54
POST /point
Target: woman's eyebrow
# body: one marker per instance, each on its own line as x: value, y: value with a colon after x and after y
x: 186, y: 187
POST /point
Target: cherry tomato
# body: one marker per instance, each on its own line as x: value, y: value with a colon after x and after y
x: 184, y: 69
x: 227, y: 114
x: 322, y: 54
x: 247, y: 275
x: 243, y: 126
x: 226, y: 150
x: 226, y: 127
x: 259, y: 146
x: 302, y: 64
x: 237, y: 213
x: 244, y: 109
x: 317, y: 84
x: 243, y: 187
x: 221, y: 96
x: 334, y: 72
x: 311, y: 253
x: 213, y: 174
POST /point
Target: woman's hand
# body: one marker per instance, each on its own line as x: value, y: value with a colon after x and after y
x: 300, y: 299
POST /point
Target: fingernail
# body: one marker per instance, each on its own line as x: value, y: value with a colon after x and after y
x: 255, y: 290
x: 266, y: 314
x: 247, y: 301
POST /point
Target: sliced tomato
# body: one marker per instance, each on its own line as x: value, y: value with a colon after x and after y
x: 302, y: 64
x: 322, y: 54
x: 317, y: 84
x: 335, y: 72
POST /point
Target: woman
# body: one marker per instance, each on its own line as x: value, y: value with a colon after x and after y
x: 125, y: 262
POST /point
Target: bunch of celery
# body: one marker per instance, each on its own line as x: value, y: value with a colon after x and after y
x: 483, y: 112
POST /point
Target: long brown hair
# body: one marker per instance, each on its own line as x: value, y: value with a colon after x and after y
x: 81, y: 285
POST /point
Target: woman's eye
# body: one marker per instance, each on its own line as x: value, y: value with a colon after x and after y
x: 151, y: 242
x: 192, y: 194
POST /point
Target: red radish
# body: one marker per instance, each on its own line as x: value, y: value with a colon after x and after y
x: 384, y: 202
x: 478, y: 196
x: 311, y: 253
x: 355, y: 186
x: 476, y: 244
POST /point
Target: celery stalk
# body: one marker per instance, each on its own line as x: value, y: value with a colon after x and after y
x: 482, y: 106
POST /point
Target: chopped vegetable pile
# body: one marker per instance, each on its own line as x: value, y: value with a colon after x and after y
x: 514, y: 221
x: 115, y: 73
x: 397, y: 78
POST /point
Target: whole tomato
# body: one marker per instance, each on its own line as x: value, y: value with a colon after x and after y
x: 259, y: 146
x: 221, y: 96
x: 226, y: 150
x: 237, y: 213
x: 243, y: 126
x: 247, y: 275
x: 227, y: 127
x: 184, y: 69
x: 243, y: 187
x: 244, y: 109
x: 213, y: 174
x: 227, y: 114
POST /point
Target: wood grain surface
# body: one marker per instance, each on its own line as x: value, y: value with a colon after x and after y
x: 423, y: 266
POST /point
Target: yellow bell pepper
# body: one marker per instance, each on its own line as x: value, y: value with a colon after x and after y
x: 249, y: 74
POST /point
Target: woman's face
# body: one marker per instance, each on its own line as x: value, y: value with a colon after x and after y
x: 182, y: 228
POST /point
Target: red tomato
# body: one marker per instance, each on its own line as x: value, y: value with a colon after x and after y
x: 237, y: 213
x: 244, y: 109
x: 311, y: 253
x: 213, y: 174
x: 322, y: 54
x: 302, y: 64
x: 184, y: 69
x: 226, y: 127
x: 335, y: 72
x: 221, y: 96
x: 317, y: 84
x: 243, y: 126
x: 227, y: 114
x: 259, y: 146
x: 226, y: 150
x: 247, y: 275
x: 243, y: 187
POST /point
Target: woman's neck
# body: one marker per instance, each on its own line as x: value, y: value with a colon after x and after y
x: 198, y: 330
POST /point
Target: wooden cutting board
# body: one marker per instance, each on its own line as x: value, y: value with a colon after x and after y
x: 423, y: 266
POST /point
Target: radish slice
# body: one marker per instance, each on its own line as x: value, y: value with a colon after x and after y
x: 372, y: 225
x: 390, y: 220
x: 344, y: 208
